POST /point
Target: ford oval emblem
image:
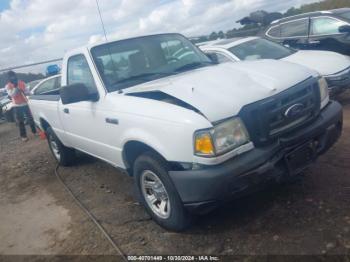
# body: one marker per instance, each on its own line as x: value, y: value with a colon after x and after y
x: 294, y: 110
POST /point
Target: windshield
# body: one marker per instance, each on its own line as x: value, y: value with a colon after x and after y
x: 260, y: 49
x: 128, y: 62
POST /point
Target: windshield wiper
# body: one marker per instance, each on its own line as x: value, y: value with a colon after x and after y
x: 192, y: 66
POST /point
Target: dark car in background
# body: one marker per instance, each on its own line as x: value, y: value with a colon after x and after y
x: 323, y: 30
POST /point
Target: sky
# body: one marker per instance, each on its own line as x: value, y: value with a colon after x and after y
x: 37, y: 30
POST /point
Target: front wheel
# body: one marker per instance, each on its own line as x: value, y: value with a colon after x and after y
x: 64, y: 155
x: 158, y: 194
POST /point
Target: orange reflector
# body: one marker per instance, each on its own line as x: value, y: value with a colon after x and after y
x: 204, y: 144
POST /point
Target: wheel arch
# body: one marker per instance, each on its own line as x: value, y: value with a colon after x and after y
x: 134, y: 148
x: 44, y: 124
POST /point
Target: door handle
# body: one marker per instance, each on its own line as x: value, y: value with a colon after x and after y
x: 314, y: 42
x: 113, y: 121
x: 66, y: 110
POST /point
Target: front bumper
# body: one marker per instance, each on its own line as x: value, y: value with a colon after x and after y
x: 202, y: 189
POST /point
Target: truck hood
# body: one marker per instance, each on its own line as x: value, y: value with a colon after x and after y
x: 220, y: 91
x: 324, y: 62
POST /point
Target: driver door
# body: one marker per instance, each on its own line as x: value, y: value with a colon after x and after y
x: 85, y: 122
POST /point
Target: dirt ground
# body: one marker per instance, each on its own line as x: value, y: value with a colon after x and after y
x: 37, y: 216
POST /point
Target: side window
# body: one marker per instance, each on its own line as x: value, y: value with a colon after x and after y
x: 274, y: 31
x: 297, y: 28
x: 46, y: 86
x: 325, y: 26
x: 79, y: 72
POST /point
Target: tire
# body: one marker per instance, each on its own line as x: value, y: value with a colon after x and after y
x: 64, y: 155
x: 150, y: 166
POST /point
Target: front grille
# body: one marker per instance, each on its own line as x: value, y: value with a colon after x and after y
x: 266, y: 120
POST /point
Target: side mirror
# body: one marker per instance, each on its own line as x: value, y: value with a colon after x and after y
x: 76, y: 93
x: 344, y: 29
x: 213, y: 57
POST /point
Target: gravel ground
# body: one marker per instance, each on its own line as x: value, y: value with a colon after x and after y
x: 37, y: 216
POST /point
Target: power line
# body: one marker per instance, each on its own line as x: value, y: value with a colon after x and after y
x: 103, y: 26
x: 28, y: 65
x: 58, y: 59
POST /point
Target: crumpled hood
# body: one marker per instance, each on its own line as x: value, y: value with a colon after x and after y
x: 324, y: 62
x: 220, y: 91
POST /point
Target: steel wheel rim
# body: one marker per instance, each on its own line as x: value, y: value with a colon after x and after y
x: 155, y: 194
x: 55, y: 150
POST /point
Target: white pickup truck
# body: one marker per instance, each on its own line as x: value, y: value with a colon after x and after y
x: 192, y: 133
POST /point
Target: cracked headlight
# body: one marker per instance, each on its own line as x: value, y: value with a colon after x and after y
x: 220, y: 139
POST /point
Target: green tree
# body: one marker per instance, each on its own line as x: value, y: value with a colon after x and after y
x: 213, y: 36
x: 221, y: 35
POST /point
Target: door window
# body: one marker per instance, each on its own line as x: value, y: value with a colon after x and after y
x: 325, y: 26
x: 47, y: 86
x: 297, y: 28
x: 79, y: 72
x: 274, y: 31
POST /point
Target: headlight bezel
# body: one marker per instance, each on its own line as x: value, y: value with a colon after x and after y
x: 213, y: 133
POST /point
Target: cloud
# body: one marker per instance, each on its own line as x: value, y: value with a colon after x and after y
x: 35, y: 30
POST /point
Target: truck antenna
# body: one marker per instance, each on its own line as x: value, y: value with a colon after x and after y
x: 103, y: 26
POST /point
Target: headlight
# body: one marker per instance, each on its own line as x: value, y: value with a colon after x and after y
x: 221, y: 138
x: 324, y: 95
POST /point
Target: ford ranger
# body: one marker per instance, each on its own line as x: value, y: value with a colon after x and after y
x: 193, y: 134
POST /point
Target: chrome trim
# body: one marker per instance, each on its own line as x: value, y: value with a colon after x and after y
x: 308, y: 13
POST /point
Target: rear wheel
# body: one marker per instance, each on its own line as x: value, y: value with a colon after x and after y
x: 158, y: 194
x: 64, y: 155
